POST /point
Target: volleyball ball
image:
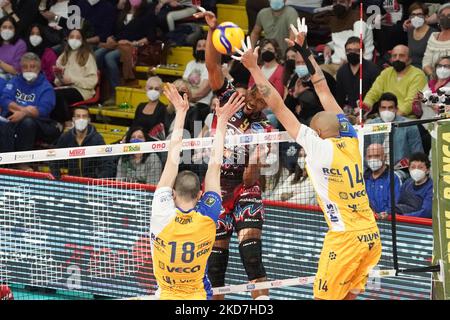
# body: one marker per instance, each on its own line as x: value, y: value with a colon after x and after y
x: 227, y: 37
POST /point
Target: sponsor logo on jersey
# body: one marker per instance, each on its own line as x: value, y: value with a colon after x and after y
x: 354, y: 208
x: 162, y: 265
x: 331, y: 172
x: 202, y: 252
x: 344, y: 126
x: 332, y: 255
x: 368, y: 237
x: 183, y: 269
x: 358, y: 194
x: 256, y: 126
x: 210, y: 201
x: 332, y: 212
x: 343, y: 195
x: 157, y: 241
x: 341, y: 145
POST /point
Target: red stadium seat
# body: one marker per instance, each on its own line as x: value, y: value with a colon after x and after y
x: 94, y: 99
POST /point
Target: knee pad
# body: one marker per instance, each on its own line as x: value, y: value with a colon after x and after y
x: 251, y: 256
x: 217, y: 266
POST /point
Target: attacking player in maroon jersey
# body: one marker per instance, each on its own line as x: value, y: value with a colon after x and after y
x: 243, y: 209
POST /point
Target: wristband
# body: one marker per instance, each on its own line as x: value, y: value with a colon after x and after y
x: 305, y: 53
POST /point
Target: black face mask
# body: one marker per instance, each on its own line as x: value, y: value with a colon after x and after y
x: 399, y: 66
x: 199, y: 55
x: 268, y: 56
x: 353, y: 58
x: 444, y: 23
x: 289, y: 64
x: 339, y: 10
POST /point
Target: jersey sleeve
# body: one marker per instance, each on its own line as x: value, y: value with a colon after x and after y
x: 309, y: 140
x: 163, y: 209
x: 346, y: 128
x: 210, y: 205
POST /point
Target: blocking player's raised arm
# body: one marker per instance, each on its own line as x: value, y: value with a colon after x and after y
x: 249, y: 58
x: 173, y: 157
x: 327, y: 99
x: 212, y: 178
x: 213, y: 59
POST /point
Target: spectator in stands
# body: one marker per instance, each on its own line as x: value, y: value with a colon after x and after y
x: 344, y: 24
x: 170, y: 11
x: 197, y: 76
x: 289, y: 68
x: 135, y: 27
x: 12, y: 48
x: 37, y: 43
x: 402, y: 79
x: 139, y: 167
x: 150, y: 115
x: 275, y: 22
x: 416, y: 194
x: 253, y: 7
x: 377, y: 180
x: 76, y: 75
x: 418, y: 33
x: 24, y: 12
x: 406, y: 139
x: 439, y: 43
x: 183, y: 87
x: 347, y: 90
x: 27, y: 101
x: 271, y: 64
x: 83, y: 134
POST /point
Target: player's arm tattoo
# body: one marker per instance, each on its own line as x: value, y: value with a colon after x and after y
x: 264, y: 90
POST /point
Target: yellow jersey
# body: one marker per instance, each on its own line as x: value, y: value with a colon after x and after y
x: 181, y: 243
x: 334, y: 168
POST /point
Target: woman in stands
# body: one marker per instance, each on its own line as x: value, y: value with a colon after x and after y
x: 11, y: 48
x: 75, y: 76
x: 140, y: 167
x: 150, y: 115
x: 170, y: 11
x: 37, y: 43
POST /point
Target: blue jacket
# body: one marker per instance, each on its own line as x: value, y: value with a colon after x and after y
x: 407, y: 140
x: 39, y: 94
x: 379, y: 191
x: 416, y: 201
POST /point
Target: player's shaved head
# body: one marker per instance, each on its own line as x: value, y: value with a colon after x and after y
x: 187, y: 185
x: 326, y: 124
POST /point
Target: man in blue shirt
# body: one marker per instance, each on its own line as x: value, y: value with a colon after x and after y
x: 378, y: 180
x: 407, y: 140
x: 26, y: 102
x: 416, y: 194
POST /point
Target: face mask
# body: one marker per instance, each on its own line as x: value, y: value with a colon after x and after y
x: 301, y: 162
x: 136, y: 140
x: 93, y: 2
x: 35, y: 40
x: 443, y: 73
x: 375, y: 164
x: 417, y: 174
x: 301, y: 70
x: 153, y: 95
x: 444, y: 23
x: 74, y: 44
x: 417, y: 22
x: 353, y: 58
x: 387, y: 116
x: 7, y: 34
x: 81, y: 124
x: 135, y: 3
x: 339, y: 10
x: 268, y: 56
x: 289, y: 64
x: 399, y: 66
x: 276, y: 4
x: 199, y: 55
x: 29, y: 76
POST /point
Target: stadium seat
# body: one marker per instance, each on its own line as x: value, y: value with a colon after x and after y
x: 94, y: 99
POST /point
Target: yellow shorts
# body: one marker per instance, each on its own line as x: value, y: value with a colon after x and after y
x: 345, y: 263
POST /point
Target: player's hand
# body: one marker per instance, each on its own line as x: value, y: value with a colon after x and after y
x: 236, y: 102
x: 299, y: 33
x: 210, y: 17
x: 247, y: 56
x: 181, y: 104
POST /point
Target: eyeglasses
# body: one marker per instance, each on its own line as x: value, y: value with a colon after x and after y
x: 154, y: 88
x: 446, y: 66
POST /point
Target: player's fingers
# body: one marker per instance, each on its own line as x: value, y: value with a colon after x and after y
x: 244, y: 46
x: 249, y: 42
x: 299, y: 24
x: 201, y: 9
x: 239, y: 51
x: 294, y: 31
x: 256, y: 52
x: 236, y: 58
x: 289, y: 42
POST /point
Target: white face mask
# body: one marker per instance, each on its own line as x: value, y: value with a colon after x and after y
x: 417, y: 174
x: 375, y: 164
x: 442, y: 73
x: 301, y: 162
x: 387, y: 116
x: 29, y: 76
x: 81, y: 124
x: 93, y: 2
x: 153, y: 95
x: 417, y: 22
x: 35, y: 40
x: 7, y: 34
x: 74, y: 44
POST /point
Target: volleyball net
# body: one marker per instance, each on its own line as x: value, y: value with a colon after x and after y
x: 74, y: 223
